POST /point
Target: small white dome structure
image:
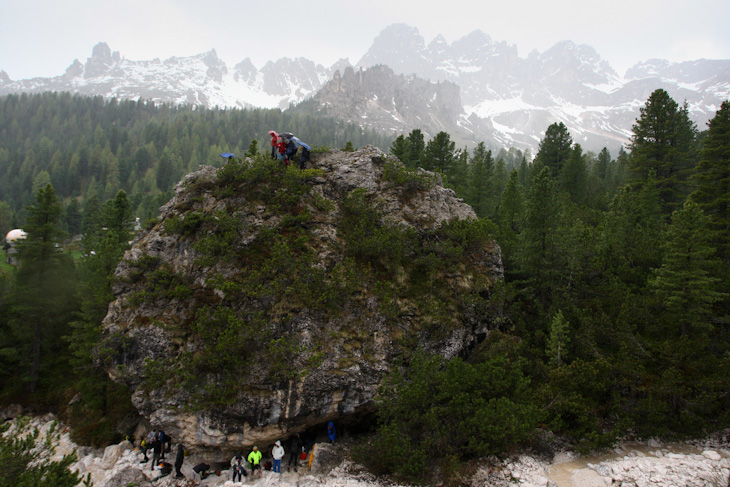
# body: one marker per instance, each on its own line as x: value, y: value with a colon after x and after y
x: 14, y: 235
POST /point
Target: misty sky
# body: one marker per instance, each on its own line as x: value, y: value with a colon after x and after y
x: 43, y: 37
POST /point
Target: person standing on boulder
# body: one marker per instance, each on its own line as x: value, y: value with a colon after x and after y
x: 277, y: 453
x: 282, y: 150
x: 274, y: 143
x: 254, y: 458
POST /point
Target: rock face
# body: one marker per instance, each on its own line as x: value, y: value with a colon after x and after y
x: 267, y: 301
x: 379, y: 99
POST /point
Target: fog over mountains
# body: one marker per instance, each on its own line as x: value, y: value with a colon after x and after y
x: 475, y: 88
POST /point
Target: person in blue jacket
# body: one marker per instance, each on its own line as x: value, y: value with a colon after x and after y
x: 331, y: 433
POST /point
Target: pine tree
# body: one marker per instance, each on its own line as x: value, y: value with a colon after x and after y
x: 555, y: 148
x: 574, y: 176
x: 440, y: 154
x: 537, y: 241
x: 417, y: 147
x: 481, y: 172
x: 43, y: 296
x: 663, y: 143
x: 253, y: 148
x: 713, y: 179
x: 509, y: 217
x: 401, y: 148
x: 632, y: 233
x: 686, y: 282
x: 101, y: 400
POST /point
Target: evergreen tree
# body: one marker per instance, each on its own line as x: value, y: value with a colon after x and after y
x: 538, y: 251
x: 555, y: 148
x: 253, y: 148
x: 713, y: 179
x: 509, y: 218
x: 417, y: 146
x: 686, y: 282
x: 401, y: 148
x: 43, y: 295
x: 481, y: 172
x: 102, y: 402
x: 574, y: 177
x: 663, y: 143
x: 631, y: 234
x: 440, y: 154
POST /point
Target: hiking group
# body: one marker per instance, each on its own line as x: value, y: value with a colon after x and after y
x: 159, y: 443
x: 285, y: 146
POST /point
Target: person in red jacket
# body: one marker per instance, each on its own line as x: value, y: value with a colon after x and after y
x: 274, y: 144
x: 282, y: 150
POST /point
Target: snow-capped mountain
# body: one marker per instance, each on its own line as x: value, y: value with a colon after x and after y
x: 199, y: 80
x: 493, y: 95
x: 518, y: 98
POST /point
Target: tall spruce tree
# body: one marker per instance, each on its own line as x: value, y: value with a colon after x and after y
x: 555, y: 148
x: 417, y: 145
x: 101, y: 401
x: 713, y: 179
x: 481, y: 172
x: 440, y: 154
x: 686, y: 282
x: 574, y: 176
x: 663, y: 143
x: 43, y: 297
x: 537, y: 241
x: 401, y: 148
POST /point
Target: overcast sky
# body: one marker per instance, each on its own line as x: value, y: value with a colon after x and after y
x: 43, y: 37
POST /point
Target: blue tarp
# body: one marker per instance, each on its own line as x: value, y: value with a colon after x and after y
x: 299, y: 143
x: 226, y: 155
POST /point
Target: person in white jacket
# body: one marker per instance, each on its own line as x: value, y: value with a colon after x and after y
x: 277, y: 453
x: 238, y: 468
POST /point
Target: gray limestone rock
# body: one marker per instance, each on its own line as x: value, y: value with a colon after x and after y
x: 336, y: 359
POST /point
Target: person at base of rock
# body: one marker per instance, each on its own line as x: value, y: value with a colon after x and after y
x: 156, y: 446
x: 202, y: 470
x: 179, y: 458
x: 146, y: 444
x: 331, y: 433
x: 295, y: 449
x: 254, y: 458
x: 277, y: 453
x: 165, y: 469
x: 165, y: 442
x: 238, y: 468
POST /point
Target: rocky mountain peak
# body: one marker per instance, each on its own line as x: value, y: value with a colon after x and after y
x: 268, y: 300
x: 101, y: 60
x: 398, y: 46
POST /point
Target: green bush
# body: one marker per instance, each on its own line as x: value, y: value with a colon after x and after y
x: 435, y: 412
x: 410, y: 179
